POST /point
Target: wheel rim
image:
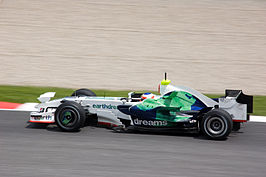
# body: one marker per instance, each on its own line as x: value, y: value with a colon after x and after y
x: 215, y: 125
x: 68, y: 117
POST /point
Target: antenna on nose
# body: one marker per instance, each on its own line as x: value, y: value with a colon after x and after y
x: 165, y: 76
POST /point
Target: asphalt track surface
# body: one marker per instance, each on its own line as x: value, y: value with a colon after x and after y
x: 36, y: 151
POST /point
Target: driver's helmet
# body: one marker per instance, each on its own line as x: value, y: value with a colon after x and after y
x: 147, y: 95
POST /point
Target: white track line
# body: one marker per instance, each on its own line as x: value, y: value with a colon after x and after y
x: 257, y: 119
x: 27, y: 107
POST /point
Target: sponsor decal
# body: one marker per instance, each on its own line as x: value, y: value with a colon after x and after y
x: 193, y: 121
x: 150, y: 122
x: 36, y: 118
x: 47, y: 117
x: 104, y: 106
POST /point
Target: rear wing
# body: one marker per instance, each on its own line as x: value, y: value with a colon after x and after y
x: 241, y: 98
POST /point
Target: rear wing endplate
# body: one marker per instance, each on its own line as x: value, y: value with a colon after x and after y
x: 241, y: 98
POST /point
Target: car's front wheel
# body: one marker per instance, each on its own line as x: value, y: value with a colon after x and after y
x: 216, y: 124
x: 70, y: 116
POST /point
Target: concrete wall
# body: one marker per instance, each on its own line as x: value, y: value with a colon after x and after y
x: 209, y: 45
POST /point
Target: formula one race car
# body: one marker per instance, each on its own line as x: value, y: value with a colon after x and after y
x: 177, y: 108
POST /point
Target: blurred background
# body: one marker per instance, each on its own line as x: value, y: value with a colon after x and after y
x: 209, y: 45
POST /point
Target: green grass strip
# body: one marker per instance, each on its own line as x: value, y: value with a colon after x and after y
x: 24, y: 94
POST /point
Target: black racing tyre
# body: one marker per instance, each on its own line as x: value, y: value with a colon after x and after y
x: 216, y: 124
x: 83, y: 92
x: 70, y: 116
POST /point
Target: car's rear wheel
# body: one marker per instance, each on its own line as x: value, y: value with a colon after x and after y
x: 83, y: 92
x: 216, y: 124
x: 70, y: 116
